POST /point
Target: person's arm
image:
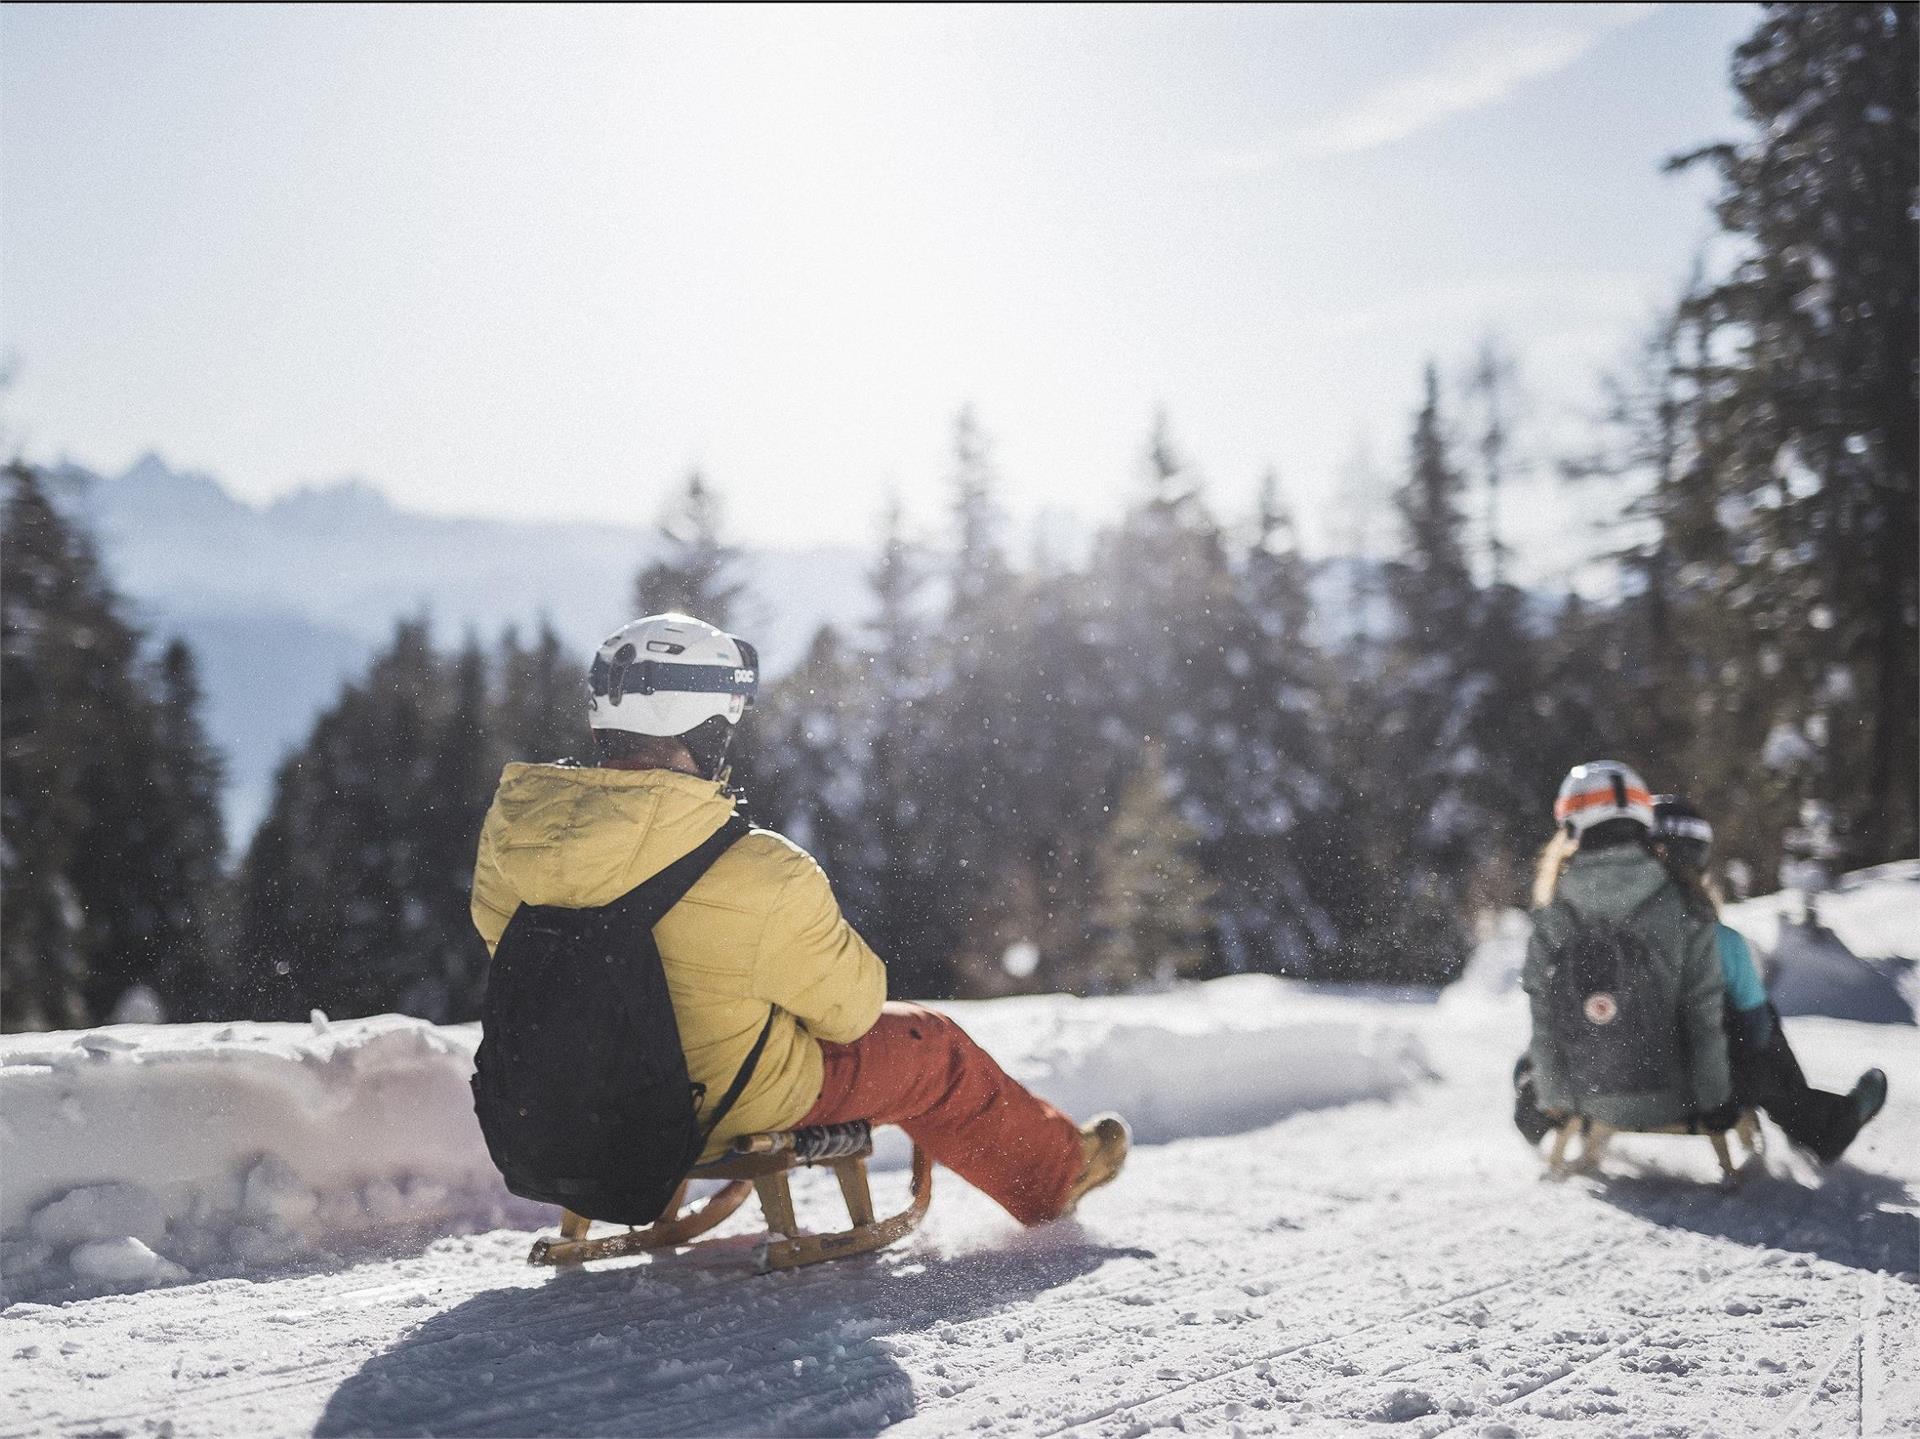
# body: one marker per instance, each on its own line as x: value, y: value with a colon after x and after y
x: 1703, y: 989
x: 1549, y: 1073
x: 813, y: 964
x: 1744, y: 989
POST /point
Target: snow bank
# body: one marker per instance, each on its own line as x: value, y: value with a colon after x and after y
x: 1215, y: 1058
x: 1860, y: 960
x: 1873, y: 912
x: 141, y: 1155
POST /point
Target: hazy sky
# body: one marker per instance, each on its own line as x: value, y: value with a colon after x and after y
x: 542, y: 261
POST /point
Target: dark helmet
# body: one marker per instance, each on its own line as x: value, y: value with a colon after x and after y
x: 1682, y: 831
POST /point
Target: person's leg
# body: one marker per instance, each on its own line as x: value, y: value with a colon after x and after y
x: 1769, y: 1076
x: 919, y: 1070
x: 1528, y: 1117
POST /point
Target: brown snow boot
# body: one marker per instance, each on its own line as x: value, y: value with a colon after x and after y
x: 1104, y: 1142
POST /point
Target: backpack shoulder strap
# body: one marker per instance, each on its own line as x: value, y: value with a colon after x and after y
x: 654, y: 897
x: 734, y: 1090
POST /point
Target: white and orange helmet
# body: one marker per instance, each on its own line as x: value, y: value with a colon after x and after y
x: 1601, y: 790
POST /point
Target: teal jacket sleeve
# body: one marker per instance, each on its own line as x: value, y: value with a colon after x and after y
x: 1744, y: 989
x: 1703, y: 990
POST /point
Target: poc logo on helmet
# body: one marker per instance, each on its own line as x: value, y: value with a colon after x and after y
x: 1600, y: 1009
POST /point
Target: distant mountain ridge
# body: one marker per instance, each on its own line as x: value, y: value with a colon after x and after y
x: 282, y: 602
x: 285, y: 601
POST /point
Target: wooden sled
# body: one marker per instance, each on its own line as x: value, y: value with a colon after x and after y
x: 1595, y: 1136
x: 761, y: 1163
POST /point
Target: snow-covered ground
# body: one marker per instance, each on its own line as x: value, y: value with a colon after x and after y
x: 1392, y: 1262
x: 1327, y: 1227
x: 143, y: 1155
x: 1858, y: 958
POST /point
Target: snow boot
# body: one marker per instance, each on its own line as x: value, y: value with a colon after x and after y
x: 1869, y: 1095
x: 1104, y: 1142
x: 1866, y: 1098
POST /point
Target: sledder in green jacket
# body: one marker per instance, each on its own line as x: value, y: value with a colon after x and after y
x: 1651, y: 1049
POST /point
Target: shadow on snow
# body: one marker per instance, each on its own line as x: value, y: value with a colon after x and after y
x: 685, y: 1346
x: 1851, y: 1216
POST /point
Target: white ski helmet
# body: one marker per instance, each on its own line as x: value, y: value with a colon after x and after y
x: 667, y: 674
x: 1600, y: 790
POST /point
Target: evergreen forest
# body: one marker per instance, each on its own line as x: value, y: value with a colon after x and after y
x: 1188, y: 748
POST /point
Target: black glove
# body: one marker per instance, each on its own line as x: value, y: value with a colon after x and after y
x: 1717, y: 1120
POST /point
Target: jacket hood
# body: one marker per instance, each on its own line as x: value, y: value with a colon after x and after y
x: 1611, y: 883
x: 576, y: 836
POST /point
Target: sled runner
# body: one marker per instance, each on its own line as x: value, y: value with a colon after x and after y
x: 1595, y: 1136
x: 760, y: 1163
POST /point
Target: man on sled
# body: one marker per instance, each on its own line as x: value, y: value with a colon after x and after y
x: 604, y: 890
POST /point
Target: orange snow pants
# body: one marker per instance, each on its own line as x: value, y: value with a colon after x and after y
x: 919, y: 1070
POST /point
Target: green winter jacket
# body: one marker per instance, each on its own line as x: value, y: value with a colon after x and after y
x: 1626, y: 885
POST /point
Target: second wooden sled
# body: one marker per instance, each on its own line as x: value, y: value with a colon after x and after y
x: 760, y: 1164
x: 1594, y: 1138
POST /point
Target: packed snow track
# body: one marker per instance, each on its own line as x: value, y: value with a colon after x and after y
x: 1389, y: 1265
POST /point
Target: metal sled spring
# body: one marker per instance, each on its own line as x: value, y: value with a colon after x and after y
x: 818, y: 1144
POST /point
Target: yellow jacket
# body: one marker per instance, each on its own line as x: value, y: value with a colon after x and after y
x: 759, y: 929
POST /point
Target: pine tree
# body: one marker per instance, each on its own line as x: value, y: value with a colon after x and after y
x: 57, y: 640
x: 1424, y: 820
x: 980, y: 571
x: 450, y: 968
x: 1151, y: 915
x: 1273, y: 868
x: 1492, y: 388
x: 1642, y: 445
x: 1432, y: 588
x: 189, y: 968
x: 695, y: 573
x: 971, y: 801
x: 539, y: 708
x: 898, y: 860
x: 814, y: 783
x: 111, y: 839
x: 1179, y: 649
x: 1824, y: 404
x: 354, y: 890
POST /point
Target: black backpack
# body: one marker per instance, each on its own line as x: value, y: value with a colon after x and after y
x: 1616, y: 1029
x: 580, y: 1082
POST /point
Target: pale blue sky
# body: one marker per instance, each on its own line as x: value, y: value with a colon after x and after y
x: 540, y: 261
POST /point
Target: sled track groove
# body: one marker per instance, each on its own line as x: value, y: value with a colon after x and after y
x: 1564, y: 1277
x: 1714, y: 1291
x: 1873, y: 1303
x: 1399, y: 1316
x: 1861, y: 1345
